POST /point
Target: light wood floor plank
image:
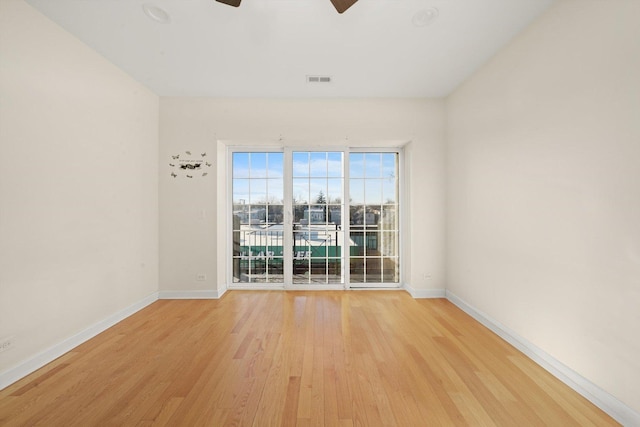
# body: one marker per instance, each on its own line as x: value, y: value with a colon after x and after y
x: 296, y: 358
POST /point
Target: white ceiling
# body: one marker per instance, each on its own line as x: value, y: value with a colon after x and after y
x: 266, y: 48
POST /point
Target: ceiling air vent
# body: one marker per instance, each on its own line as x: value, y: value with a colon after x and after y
x: 318, y: 79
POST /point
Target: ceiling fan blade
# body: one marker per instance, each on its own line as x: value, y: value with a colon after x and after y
x: 234, y: 3
x: 342, y: 5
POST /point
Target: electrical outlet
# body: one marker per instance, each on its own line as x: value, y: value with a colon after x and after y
x: 6, y: 344
x: 201, y: 277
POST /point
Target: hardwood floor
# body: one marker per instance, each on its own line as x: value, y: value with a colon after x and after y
x: 296, y: 358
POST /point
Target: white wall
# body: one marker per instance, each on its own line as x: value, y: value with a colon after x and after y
x: 189, y: 242
x: 78, y: 186
x: 544, y: 190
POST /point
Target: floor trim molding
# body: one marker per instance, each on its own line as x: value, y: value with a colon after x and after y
x: 36, y: 362
x: 195, y: 294
x: 424, y: 293
x: 599, y: 397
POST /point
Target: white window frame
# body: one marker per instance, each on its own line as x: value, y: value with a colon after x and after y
x: 288, y: 150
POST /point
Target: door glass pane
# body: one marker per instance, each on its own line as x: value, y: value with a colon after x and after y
x: 318, y: 191
x: 300, y: 191
x: 275, y: 193
x: 275, y: 165
x: 318, y: 164
x: 240, y: 165
x: 335, y: 217
x: 334, y: 165
x: 372, y: 191
x: 275, y: 215
x: 389, y: 244
x: 372, y: 216
x: 373, y: 270
x: 357, y: 268
x: 372, y: 165
x: 257, y: 217
x: 300, y: 164
x: 301, y: 255
x: 258, y: 168
x: 356, y: 191
x: 334, y: 191
x: 275, y: 270
x: 391, y: 270
x: 240, y: 191
x: 356, y: 165
x: 373, y: 207
x: 389, y: 167
x: 257, y: 190
x: 389, y: 217
x: 317, y: 217
x: 334, y: 270
x: 389, y: 191
x: 356, y: 217
x: 357, y: 244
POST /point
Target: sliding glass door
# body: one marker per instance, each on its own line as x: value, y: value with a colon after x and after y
x: 316, y: 204
x: 373, y: 218
x: 319, y: 219
x: 258, y: 216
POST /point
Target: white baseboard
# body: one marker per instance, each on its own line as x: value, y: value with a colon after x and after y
x: 605, y: 401
x: 424, y: 293
x: 36, y: 362
x: 196, y: 294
